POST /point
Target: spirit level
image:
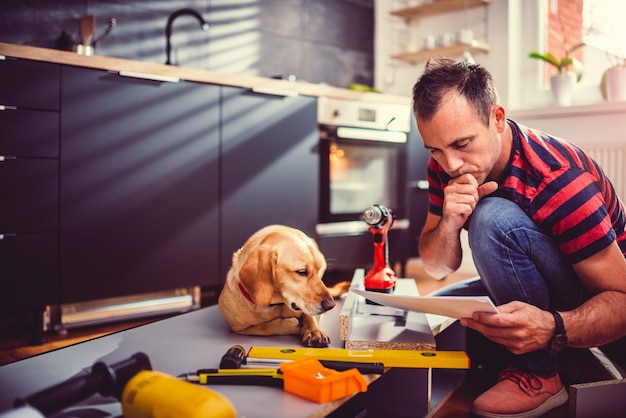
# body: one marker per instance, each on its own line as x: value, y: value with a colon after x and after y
x: 389, y: 358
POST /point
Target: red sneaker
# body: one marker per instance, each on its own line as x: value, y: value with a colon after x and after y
x: 520, y: 394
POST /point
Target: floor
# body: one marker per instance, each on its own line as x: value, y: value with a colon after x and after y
x: 15, y: 345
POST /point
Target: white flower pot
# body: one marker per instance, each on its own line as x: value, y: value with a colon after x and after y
x: 616, y: 84
x: 563, y: 86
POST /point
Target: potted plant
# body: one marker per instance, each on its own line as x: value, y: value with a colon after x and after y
x: 569, y: 72
x: 613, y: 83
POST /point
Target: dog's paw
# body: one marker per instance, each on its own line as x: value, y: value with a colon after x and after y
x: 291, y: 325
x: 315, y: 338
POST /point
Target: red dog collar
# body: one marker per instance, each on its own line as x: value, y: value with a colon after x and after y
x: 245, y: 293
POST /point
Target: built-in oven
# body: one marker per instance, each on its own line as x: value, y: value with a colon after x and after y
x: 363, y: 161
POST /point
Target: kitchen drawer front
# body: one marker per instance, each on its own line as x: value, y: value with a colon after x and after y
x: 29, y: 195
x: 29, y: 133
x: 30, y: 84
x: 28, y: 271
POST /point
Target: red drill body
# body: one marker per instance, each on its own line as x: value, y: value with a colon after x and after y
x: 381, y: 277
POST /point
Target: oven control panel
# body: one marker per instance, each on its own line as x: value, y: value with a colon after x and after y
x: 362, y: 114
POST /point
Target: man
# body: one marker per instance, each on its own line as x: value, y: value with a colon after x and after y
x: 546, y: 229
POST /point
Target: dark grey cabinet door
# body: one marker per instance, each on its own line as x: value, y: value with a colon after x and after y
x: 29, y: 84
x: 29, y: 194
x: 29, y: 217
x: 139, y: 185
x: 29, y: 184
x: 29, y: 271
x: 270, y: 165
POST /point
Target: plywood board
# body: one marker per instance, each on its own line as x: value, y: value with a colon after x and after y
x: 364, y: 326
x: 598, y: 399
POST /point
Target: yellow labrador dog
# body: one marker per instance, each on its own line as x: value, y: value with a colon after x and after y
x: 274, y: 286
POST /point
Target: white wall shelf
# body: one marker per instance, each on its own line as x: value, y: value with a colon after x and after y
x: 446, y: 51
x: 437, y: 7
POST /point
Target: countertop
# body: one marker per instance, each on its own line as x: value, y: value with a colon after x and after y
x: 181, y: 344
x: 198, y: 339
x: 192, y: 74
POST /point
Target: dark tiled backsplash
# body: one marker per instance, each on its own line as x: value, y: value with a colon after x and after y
x: 320, y: 41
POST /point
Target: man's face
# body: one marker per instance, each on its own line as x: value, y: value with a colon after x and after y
x: 459, y: 141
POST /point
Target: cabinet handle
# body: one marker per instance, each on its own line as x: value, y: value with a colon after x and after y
x: 274, y: 92
x: 419, y: 184
x: 4, y: 107
x: 153, y: 77
x: 6, y: 235
x: 7, y: 157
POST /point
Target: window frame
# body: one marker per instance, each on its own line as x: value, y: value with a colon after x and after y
x: 527, y: 78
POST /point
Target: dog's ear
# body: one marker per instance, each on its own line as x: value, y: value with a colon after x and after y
x: 257, y: 275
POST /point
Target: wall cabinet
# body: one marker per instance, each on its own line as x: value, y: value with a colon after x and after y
x: 139, y: 185
x: 29, y: 184
x: 270, y: 166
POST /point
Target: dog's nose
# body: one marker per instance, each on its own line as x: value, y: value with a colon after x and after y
x: 328, y: 304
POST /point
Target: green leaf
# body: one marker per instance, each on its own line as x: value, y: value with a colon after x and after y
x: 547, y: 57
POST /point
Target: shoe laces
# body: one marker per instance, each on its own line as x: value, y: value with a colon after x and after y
x: 527, y: 382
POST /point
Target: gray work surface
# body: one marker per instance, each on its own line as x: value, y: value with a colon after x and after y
x: 184, y: 343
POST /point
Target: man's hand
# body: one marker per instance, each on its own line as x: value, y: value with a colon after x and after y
x: 520, y: 327
x: 461, y: 196
x: 487, y: 188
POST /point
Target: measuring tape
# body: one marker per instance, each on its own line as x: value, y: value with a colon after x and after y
x: 390, y: 358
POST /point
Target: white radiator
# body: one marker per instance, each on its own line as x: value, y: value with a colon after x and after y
x: 612, y: 159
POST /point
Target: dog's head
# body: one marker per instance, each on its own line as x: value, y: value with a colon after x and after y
x: 283, y: 265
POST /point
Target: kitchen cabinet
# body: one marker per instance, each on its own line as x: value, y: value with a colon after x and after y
x: 113, y: 186
x: 269, y: 165
x: 457, y: 47
x: 29, y: 84
x: 139, y: 185
x: 417, y: 189
x: 29, y: 184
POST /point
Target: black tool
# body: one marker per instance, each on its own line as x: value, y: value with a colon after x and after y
x: 107, y: 380
x: 235, y: 357
x: 256, y: 377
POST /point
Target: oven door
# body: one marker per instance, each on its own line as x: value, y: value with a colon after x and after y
x: 359, y: 168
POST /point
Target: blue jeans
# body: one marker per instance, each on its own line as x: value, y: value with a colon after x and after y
x: 516, y: 260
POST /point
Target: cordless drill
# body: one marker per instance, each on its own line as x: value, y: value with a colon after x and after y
x: 141, y: 392
x: 380, y: 278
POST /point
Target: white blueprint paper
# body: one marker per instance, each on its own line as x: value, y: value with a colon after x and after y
x: 451, y: 306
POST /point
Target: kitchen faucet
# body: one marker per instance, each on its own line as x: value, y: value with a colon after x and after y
x: 168, y: 27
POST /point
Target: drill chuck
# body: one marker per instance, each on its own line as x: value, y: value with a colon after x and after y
x: 377, y: 216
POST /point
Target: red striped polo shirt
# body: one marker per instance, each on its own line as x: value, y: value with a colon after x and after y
x: 561, y: 189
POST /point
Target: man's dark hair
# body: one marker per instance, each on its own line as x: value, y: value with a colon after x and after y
x: 443, y: 75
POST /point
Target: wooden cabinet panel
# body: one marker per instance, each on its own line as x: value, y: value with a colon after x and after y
x: 139, y: 187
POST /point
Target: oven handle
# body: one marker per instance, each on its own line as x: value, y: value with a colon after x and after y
x: 353, y: 227
x: 419, y: 184
x: 371, y: 135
